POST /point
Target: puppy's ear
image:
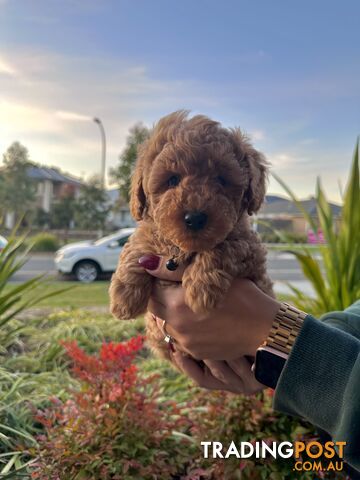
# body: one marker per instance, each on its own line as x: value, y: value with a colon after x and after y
x: 258, y: 170
x: 137, y: 193
x: 257, y: 167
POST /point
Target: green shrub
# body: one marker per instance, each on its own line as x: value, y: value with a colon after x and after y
x: 126, y: 421
x: 15, y: 388
x: 44, y: 242
x: 115, y: 426
x: 294, y: 237
x: 226, y: 417
x: 336, y: 276
x: 269, y: 237
x: 41, y: 351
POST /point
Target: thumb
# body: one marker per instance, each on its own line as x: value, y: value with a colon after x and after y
x: 155, y: 265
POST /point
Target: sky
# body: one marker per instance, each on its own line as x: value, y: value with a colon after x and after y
x: 287, y: 73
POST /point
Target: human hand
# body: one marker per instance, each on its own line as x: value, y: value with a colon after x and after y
x: 235, y: 329
x: 208, y: 337
x: 235, y: 376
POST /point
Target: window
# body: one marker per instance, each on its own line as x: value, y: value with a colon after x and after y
x: 123, y: 240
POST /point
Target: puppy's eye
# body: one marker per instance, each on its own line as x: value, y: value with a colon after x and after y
x: 173, y: 181
x: 222, y: 181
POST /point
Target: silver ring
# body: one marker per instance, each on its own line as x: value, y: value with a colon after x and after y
x: 167, y: 338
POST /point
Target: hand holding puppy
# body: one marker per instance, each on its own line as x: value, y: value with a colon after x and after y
x: 221, y: 338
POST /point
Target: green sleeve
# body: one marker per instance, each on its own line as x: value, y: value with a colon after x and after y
x: 321, y: 378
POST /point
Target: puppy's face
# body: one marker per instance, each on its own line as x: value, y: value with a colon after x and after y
x: 195, y: 180
x: 195, y: 195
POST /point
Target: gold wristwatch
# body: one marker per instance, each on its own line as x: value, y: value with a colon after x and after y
x: 273, y: 353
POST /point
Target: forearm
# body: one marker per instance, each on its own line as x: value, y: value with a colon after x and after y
x: 320, y: 382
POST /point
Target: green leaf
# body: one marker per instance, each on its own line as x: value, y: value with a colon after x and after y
x: 336, y: 279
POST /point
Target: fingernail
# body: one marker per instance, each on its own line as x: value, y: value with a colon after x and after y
x: 150, y: 262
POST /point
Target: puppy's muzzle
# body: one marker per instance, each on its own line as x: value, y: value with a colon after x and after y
x: 195, y: 221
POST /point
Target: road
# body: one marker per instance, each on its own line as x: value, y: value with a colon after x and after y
x: 282, y: 267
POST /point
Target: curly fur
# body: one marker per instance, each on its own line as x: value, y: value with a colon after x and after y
x: 220, y: 174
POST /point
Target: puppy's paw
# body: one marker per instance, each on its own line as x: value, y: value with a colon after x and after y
x: 128, y: 301
x: 205, y: 295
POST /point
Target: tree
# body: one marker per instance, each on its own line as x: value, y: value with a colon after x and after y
x: 92, y: 206
x: 63, y: 212
x: 17, y: 190
x: 40, y: 218
x: 2, y: 197
x: 121, y: 174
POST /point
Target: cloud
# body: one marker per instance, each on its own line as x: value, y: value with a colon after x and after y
x: 257, y: 135
x: 17, y: 118
x: 5, y: 67
x: 281, y: 160
x: 48, y: 101
x: 72, y: 116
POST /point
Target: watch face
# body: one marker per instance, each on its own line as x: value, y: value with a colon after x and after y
x: 268, y: 367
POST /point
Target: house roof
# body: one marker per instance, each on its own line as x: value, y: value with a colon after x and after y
x: 52, y: 174
x: 289, y: 208
x: 274, y: 205
x: 275, y: 198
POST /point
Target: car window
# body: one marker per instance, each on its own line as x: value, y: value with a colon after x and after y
x: 114, y: 237
x: 103, y: 240
x: 123, y: 240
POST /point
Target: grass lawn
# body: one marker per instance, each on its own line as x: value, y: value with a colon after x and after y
x: 82, y: 295
x: 79, y: 294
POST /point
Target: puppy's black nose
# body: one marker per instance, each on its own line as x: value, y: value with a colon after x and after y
x: 195, y: 220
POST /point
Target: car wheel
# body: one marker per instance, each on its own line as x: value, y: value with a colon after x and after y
x: 86, y: 271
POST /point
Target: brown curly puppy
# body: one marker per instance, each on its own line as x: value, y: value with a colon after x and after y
x: 194, y: 186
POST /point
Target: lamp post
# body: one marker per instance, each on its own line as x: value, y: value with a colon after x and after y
x: 103, y: 150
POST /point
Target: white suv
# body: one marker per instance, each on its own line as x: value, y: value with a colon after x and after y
x: 87, y: 260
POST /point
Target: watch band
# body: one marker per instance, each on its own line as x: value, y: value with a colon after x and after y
x: 285, y: 328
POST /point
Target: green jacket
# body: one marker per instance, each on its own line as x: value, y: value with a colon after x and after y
x: 321, y: 378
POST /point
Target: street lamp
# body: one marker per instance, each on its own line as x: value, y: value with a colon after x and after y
x: 103, y: 150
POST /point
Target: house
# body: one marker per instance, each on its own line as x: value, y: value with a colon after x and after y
x: 51, y: 185
x: 119, y: 216
x: 283, y: 214
x: 278, y: 212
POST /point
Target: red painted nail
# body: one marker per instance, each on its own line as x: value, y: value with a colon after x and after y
x: 150, y: 262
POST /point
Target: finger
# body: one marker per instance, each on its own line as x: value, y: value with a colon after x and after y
x: 164, y: 327
x: 170, y: 308
x: 155, y: 265
x: 242, y: 367
x: 162, y: 296
x: 225, y: 374
x: 168, y: 303
x: 157, y: 307
x: 202, y: 377
x: 161, y: 325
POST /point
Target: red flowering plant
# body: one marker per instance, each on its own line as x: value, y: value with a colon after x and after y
x: 226, y: 417
x: 114, y: 427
